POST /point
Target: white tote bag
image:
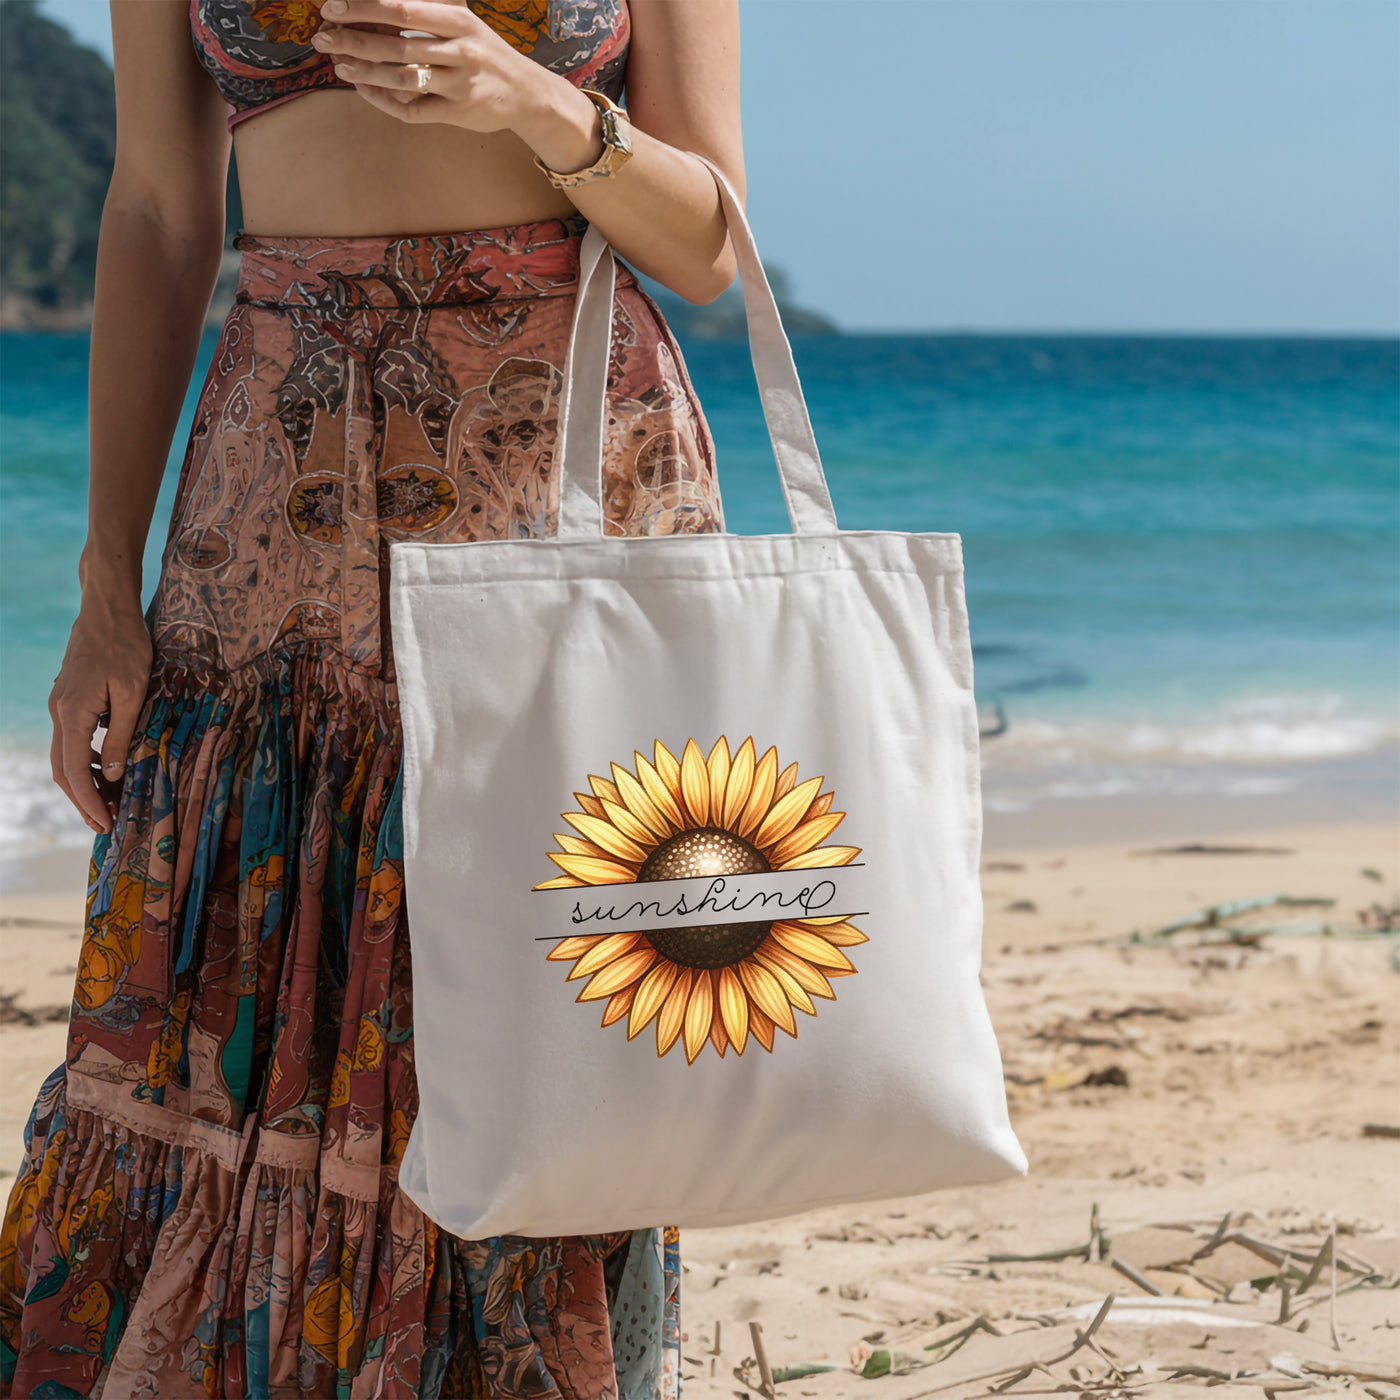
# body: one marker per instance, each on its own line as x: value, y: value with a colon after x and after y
x: 692, y: 827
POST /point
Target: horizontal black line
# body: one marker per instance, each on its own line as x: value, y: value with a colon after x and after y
x: 325, y: 310
x: 665, y: 879
x: 556, y: 937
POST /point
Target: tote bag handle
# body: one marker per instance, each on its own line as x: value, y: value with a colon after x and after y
x: 582, y: 404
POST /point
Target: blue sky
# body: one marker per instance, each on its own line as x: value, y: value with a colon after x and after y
x: 1043, y: 165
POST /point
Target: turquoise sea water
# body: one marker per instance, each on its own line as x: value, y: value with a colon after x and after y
x: 1183, y: 555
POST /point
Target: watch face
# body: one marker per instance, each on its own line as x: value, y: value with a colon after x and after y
x: 615, y: 133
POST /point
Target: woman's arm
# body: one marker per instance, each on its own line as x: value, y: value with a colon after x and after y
x: 158, y: 257
x: 661, y: 210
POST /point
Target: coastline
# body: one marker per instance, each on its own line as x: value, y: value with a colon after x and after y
x: 1081, y: 804
x: 1026, y: 805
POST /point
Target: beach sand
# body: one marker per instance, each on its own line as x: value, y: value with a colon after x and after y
x: 1162, y: 1083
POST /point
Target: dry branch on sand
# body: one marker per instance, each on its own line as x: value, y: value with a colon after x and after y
x: 1131, y: 1343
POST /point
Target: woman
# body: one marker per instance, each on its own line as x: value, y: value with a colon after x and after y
x: 208, y: 1201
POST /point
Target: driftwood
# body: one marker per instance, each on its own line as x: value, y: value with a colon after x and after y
x: 13, y: 1014
x: 1213, y: 922
x: 1004, y: 1366
x: 1200, y: 848
x: 1129, y: 1272
x: 1024, y: 1368
x: 765, y: 1373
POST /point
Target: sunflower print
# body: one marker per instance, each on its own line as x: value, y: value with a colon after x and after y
x: 719, y: 813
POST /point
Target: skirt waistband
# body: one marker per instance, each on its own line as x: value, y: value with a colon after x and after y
x: 410, y: 271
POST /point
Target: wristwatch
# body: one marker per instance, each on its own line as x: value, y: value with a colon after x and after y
x: 617, y: 146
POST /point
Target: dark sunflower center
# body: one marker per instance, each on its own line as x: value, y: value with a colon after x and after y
x: 705, y: 850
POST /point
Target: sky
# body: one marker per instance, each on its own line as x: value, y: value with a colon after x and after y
x: 1068, y: 165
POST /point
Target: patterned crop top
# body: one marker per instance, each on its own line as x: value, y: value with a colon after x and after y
x: 259, y: 52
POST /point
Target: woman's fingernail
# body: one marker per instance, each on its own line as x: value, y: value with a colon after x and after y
x: 333, y: 7
x: 112, y: 767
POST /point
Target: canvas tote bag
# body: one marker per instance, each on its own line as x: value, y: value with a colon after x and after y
x: 692, y: 828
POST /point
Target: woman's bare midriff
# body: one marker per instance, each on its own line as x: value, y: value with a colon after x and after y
x: 329, y: 163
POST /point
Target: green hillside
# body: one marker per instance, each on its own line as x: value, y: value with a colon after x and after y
x: 57, y: 140
x: 57, y: 144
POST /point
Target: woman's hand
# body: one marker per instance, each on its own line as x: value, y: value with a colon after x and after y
x: 104, y: 677
x: 478, y: 80
x: 661, y: 211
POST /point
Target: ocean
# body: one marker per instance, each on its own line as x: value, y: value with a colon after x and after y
x: 1182, y: 555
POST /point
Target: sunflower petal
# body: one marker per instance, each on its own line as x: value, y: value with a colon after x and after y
x: 618, y: 1005
x: 792, y: 988
x: 733, y: 1007
x: 577, y: 845
x: 803, y: 837
x: 668, y: 767
x: 719, y: 763
x: 616, y: 976
x: 719, y: 1038
x: 810, y: 946
x: 785, y: 813
x: 695, y: 783
x: 603, y: 790
x: 821, y: 805
x: 603, y: 833
x: 651, y: 995
x: 699, y: 1012
x: 823, y: 855
x: 765, y: 774
x: 843, y: 935
x: 589, y: 803
x: 639, y: 804
x: 608, y: 949
x: 739, y: 784
x: 786, y: 779
x: 657, y: 789
x: 672, y: 1017
x: 761, y: 1028
x: 626, y: 823
x: 809, y: 978
x: 593, y: 871
x: 766, y: 993
x: 559, y: 882
x: 567, y: 949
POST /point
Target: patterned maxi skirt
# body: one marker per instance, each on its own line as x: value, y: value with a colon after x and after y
x: 208, y: 1202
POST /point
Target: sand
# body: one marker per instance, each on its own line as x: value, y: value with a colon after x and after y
x: 1253, y: 1074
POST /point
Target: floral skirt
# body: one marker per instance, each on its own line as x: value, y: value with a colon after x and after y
x: 208, y: 1200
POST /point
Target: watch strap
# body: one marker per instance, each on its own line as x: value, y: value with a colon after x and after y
x: 617, y: 147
